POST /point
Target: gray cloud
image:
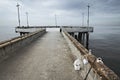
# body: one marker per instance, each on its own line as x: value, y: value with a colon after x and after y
x: 42, y: 12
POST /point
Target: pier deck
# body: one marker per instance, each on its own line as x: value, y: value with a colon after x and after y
x: 45, y: 59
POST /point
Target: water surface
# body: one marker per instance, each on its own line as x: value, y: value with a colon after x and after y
x: 105, y: 43
x: 7, y: 33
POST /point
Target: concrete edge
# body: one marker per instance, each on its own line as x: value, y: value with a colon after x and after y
x: 101, y: 69
x: 9, y: 47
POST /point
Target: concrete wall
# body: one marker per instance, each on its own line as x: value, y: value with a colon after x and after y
x: 98, y: 71
x: 8, y: 47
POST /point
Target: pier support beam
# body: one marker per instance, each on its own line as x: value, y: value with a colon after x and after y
x: 83, y: 39
x: 80, y: 37
x: 24, y: 33
x: 72, y: 34
x: 76, y: 37
x: 87, y: 40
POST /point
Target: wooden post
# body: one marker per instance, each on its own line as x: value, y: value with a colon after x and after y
x: 80, y: 37
x: 72, y: 33
x: 60, y: 30
x: 83, y: 39
x: 20, y: 33
x: 87, y: 40
x: 76, y: 37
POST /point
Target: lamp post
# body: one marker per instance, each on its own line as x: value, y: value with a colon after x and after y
x: 87, y: 34
x: 82, y: 19
x: 88, y: 16
x: 55, y: 20
x: 27, y: 19
x: 18, y: 14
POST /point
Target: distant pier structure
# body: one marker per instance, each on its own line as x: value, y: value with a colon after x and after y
x: 79, y: 33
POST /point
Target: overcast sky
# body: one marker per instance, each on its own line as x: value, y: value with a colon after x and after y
x: 69, y: 12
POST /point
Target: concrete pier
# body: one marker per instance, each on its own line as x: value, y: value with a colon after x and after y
x: 45, y: 59
x: 51, y: 57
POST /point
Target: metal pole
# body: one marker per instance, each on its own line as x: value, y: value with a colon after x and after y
x: 55, y: 20
x: 18, y: 14
x: 88, y: 16
x: 27, y: 19
x: 87, y: 35
x: 82, y: 19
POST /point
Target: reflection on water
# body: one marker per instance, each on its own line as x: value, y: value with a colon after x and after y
x: 105, y: 43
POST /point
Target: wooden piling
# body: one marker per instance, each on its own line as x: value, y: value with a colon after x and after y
x: 80, y: 37
x: 87, y: 40
x: 76, y: 37
x: 83, y: 39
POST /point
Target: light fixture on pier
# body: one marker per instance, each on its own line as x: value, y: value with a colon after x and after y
x: 27, y: 19
x: 18, y: 14
x: 88, y: 15
x: 82, y: 19
x: 55, y: 20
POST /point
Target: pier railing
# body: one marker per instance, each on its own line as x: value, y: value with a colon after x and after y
x: 99, y: 71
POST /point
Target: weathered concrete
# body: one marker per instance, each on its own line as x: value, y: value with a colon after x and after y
x: 98, y: 70
x: 48, y: 58
x: 8, y: 47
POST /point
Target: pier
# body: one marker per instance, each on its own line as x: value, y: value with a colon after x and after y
x: 78, y: 32
x: 49, y: 55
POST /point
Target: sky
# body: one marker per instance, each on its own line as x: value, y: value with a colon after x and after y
x: 68, y: 12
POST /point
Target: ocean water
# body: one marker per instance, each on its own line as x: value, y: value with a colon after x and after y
x: 104, y: 42
x: 7, y: 33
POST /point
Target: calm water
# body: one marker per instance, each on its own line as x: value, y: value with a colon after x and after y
x: 7, y: 33
x: 104, y: 42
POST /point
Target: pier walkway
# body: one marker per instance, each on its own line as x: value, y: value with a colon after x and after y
x: 45, y: 59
